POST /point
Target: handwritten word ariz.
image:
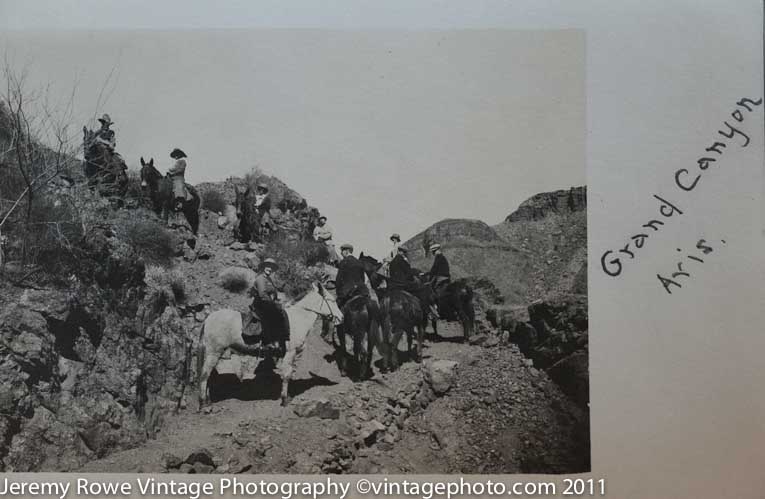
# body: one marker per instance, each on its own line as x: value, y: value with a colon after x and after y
x: 611, y: 261
x: 683, y: 270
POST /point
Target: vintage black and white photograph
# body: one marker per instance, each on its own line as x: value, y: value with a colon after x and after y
x: 303, y: 251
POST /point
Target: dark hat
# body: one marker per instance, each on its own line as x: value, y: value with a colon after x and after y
x: 261, y: 185
x: 177, y: 153
x: 106, y: 120
x: 347, y: 246
x: 396, y: 237
x: 403, y: 250
x: 322, y: 217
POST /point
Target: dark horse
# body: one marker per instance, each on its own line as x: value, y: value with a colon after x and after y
x: 104, y: 168
x: 248, y: 226
x: 400, y: 312
x: 455, y: 303
x: 161, y: 194
x: 361, y: 321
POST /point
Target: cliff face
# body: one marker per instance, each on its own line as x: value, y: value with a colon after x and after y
x: 540, y: 248
x: 542, y: 205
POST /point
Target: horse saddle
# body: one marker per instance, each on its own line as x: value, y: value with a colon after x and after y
x: 252, y: 332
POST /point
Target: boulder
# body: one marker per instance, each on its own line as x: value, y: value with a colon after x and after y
x: 572, y: 375
x: 440, y: 375
x: 202, y: 456
x: 319, y: 408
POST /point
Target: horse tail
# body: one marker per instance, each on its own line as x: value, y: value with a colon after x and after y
x: 201, y: 350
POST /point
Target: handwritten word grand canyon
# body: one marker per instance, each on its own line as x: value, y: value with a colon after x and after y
x: 686, y: 180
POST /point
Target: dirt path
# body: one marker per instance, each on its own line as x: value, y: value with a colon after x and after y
x: 500, y: 415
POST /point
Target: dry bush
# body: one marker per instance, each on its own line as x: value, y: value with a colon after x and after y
x: 296, y: 261
x: 235, y: 279
x: 214, y: 201
x: 163, y: 285
x: 148, y: 238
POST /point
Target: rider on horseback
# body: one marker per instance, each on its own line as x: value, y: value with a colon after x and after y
x: 351, y: 278
x: 403, y: 277
x: 439, y: 272
x: 267, y: 310
x: 263, y: 206
x: 105, y: 135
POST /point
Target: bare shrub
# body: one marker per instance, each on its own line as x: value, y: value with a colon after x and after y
x: 148, y: 238
x: 235, y: 279
x: 214, y: 201
x: 165, y: 285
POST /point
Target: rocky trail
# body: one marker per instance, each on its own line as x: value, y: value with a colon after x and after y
x: 468, y: 408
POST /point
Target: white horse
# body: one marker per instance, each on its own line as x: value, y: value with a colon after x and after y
x: 223, y: 329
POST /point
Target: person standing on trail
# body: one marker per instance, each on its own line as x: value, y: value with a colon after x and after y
x: 323, y: 234
x: 177, y: 174
x: 439, y: 272
x: 267, y: 309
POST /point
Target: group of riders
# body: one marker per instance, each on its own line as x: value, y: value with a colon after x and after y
x: 352, y: 281
x: 268, y: 316
x: 106, y: 168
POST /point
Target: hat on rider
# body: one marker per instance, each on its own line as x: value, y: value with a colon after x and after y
x: 434, y: 247
x: 106, y: 120
x: 177, y: 153
x: 395, y: 237
x: 347, y: 246
x: 269, y: 262
x: 403, y: 250
x: 323, y: 218
x: 261, y: 186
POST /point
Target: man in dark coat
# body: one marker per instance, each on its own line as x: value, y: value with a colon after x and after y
x: 401, y: 273
x: 439, y: 272
x: 350, y: 280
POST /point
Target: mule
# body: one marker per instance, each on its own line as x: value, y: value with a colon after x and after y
x: 401, y: 312
x: 223, y: 329
x: 160, y: 190
x: 361, y: 321
x: 455, y: 303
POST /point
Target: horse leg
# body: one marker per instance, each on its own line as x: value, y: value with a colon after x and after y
x: 341, y: 351
x: 210, y: 361
x: 420, y: 334
x: 288, y: 369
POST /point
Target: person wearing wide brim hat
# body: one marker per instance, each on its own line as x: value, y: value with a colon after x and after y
x: 267, y: 309
x: 177, y: 174
x: 105, y: 135
x: 106, y: 120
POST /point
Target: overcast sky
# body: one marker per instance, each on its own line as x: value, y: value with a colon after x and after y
x: 384, y: 131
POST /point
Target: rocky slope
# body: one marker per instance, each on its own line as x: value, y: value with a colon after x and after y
x: 540, y: 249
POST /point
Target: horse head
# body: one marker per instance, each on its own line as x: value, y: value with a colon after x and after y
x: 326, y: 305
x: 150, y: 176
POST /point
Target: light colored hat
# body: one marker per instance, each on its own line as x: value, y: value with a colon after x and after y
x: 347, y: 246
x: 395, y: 236
x: 434, y: 247
x: 269, y: 262
x: 105, y: 119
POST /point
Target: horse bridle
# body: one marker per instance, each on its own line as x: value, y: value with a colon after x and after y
x: 324, y: 298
